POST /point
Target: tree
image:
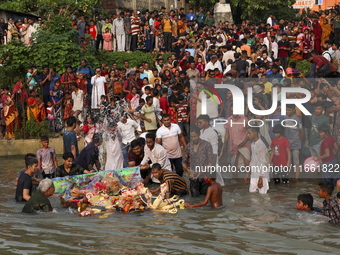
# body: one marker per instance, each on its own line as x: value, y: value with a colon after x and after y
x: 46, y: 8
x: 259, y: 10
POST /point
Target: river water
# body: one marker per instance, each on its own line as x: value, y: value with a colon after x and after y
x: 248, y: 224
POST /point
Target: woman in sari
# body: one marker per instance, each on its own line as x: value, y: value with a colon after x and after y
x: 33, y: 110
x: 317, y: 33
x: 89, y: 129
x: 308, y: 43
x: 133, y: 98
x: 326, y: 31
x: 10, y: 114
x: 20, y: 98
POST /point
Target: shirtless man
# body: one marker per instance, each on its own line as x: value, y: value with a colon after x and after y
x: 214, y: 194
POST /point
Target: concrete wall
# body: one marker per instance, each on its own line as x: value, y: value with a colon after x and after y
x: 22, y: 147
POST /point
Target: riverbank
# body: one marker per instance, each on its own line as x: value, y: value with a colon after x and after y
x: 24, y: 146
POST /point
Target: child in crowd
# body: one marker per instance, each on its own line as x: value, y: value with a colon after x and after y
x: 47, y: 158
x: 104, y: 106
x: 259, y: 175
x: 107, y: 36
x: 328, y: 151
x: 172, y: 111
x: 186, y: 94
x: 330, y: 205
x: 147, y: 92
x: 51, y: 116
x: 31, y: 78
x: 280, y: 156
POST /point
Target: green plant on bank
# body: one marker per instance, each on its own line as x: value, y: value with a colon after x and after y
x: 304, y: 67
x: 32, y: 127
x: 34, y: 130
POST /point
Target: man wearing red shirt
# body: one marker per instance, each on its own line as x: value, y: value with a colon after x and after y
x: 163, y: 101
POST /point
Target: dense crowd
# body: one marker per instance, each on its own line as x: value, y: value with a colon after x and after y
x: 162, y: 101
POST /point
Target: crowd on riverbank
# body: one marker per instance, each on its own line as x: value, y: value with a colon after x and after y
x: 119, y: 104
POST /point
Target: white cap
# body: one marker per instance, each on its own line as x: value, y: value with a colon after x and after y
x: 138, y: 12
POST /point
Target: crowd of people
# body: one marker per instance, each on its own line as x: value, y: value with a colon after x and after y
x: 143, y: 114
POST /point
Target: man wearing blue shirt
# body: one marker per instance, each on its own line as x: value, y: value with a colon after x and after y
x: 191, y: 16
x: 53, y: 77
x: 142, y: 73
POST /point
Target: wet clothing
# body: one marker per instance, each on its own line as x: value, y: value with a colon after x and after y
x: 24, y: 182
x: 38, y: 201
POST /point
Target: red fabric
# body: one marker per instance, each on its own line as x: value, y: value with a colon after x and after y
x: 82, y: 86
x: 317, y: 33
x: 164, y: 104
x: 320, y: 61
x: 280, y: 151
x: 328, y: 143
x: 173, y: 115
x: 93, y: 32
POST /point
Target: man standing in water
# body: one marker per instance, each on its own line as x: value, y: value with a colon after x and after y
x: 199, y: 154
x: 214, y: 194
x: 25, y: 185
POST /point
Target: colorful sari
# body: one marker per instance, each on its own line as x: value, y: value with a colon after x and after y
x: 10, y: 114
x: 308, y: 44
x: 326, y: 32
x: 33, y: 110
x: 20, y: 98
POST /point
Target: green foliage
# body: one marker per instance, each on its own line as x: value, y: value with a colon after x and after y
x: 304, y: 67
x: 32, y: 127
x: 259, y: 10
x: 207, y: 5
x: 44, y: 8
x: 34, y: 130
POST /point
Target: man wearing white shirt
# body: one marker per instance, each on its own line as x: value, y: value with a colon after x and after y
x: 336, y: 55
x: 271, y: 45
x: 270, y: 20
x: 78, y: 102
x: 127, y: 129
x: 326, y: 54
x: 208, y: 133
x: 156, y: 153
x: 229, y: 54
x: 169, y: 135
x: 214, y: 63
x: 118, y: 31
x: 98, y: 89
